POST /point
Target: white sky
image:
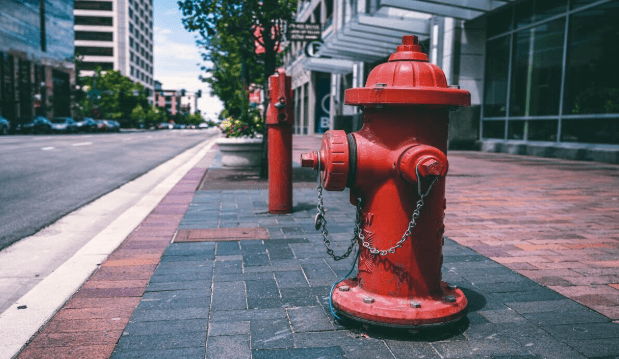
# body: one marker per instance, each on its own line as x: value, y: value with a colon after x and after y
x: 176, y: 57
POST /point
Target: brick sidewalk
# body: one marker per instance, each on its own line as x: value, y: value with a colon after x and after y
x: 554, y: 221
x: 222, y: 291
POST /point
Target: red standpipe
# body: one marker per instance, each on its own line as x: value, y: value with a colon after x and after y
x: 279, y: 122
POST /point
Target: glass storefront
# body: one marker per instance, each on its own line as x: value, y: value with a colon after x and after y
x: 551, y: 72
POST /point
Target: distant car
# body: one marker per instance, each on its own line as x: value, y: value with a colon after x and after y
x: 203, y: 126
x: 113, y: 126
x: 87, y: 124
x: 180, y: 126
x: 165, y: 126
x: 64, y: 124
x: 38, y: 125
x: 5, y: 126
x: 102, y: 126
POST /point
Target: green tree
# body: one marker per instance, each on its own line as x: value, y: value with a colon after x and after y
x: 112, y: 96
x: 229, y: 32
x: 138, y: 115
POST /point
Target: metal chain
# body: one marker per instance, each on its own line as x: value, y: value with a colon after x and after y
x: 411, y: 225
x: 321, y: 223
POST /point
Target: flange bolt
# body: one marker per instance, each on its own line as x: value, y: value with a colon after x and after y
x: 310, y: 160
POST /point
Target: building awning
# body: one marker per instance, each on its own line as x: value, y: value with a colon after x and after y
x: 334, y: 66
x: 458, y: 9
x: 372, y: 37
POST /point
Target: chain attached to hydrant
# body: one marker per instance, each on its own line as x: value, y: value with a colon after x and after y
x: 395, y: 166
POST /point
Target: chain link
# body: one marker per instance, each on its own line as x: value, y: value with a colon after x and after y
x: 321, y: 222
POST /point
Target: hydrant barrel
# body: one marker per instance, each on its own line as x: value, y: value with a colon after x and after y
x: 396, y: 165
x: 279, y: 122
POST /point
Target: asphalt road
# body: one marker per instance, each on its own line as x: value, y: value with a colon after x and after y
x: 44, y: 177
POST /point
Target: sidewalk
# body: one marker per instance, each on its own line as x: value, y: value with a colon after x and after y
x: 534, y: 245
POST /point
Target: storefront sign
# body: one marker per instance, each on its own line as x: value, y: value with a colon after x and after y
x: 303, y: 32
x: 312, y: 48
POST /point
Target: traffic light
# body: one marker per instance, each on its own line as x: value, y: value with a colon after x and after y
x: 199, y: 93
x: 183, y: 92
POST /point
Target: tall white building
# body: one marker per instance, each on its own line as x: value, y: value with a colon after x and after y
x: 116, y: 35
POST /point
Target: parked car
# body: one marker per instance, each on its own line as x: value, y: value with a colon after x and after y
x: 102, y: 126
x: 87, y: 124
x: 5, y: 126
x: 165, y: 126
x: 37, y: 125
x: 203, y: 126
x: 64, y: 124
x: 113, y: 126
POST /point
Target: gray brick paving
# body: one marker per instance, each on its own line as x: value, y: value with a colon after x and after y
x: 269, y: 298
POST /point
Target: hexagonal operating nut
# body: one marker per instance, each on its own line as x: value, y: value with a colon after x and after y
x: 310, y: 160
x: 430, y: 167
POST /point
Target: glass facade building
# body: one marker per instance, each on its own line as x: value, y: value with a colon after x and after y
x: 551, y: 72
x: 36, y: 51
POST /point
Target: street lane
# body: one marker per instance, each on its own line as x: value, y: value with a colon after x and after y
x: 42, y: 178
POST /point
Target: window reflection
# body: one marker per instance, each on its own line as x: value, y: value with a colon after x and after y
x: 592, y: 74
x: 495, y: 96
x: 536, y: 70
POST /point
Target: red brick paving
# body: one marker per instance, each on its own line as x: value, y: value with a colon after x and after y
x: 220, y: 234
x: 91, y: 322
x: 554, y: 221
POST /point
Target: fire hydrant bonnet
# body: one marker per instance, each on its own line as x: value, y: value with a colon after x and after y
x: 407, y: 79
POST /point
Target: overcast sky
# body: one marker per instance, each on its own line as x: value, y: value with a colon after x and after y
x: 177, y: 58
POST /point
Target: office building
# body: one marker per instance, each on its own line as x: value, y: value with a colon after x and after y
x: 542, y: 74
x: 36, y: 66
x: 116, y: 35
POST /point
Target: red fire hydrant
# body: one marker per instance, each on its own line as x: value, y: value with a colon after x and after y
x: 279, y: 122
x: 395, y: 167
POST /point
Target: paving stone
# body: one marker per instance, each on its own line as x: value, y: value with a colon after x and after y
x: 538, y: 295
x: 180, y: 285
x: 228, y: 328
x: 225, y: 267
x: 300, y: 353
x: 158, y: 342
x: 185, y: 353
x: 501, y: 316
x: 228, y: 296
x: 271, y: 334
x: 584, y: 331
x: 152, y: 315
x: 560, y: 305
x: 291, y: 279
x: 318, y: 273
x: 229, y: 347
x: 599, y: 348
x: 228, y: 248
x: 181, y: 293
x: 309, y: 319
x: 256, y: 260
x: 569, y: 317
x: 165, y: 327
x: 250, y: 314
x: 174, y: 303
x: 266, y: 288
x: 412, y: 349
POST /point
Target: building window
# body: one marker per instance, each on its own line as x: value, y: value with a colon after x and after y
x: 536, y: 70
x: 130, y: 41
x: 94, y: 51
x: 94, y: 36
x: 130, y: 13
x: 528, y: 103
x: 91, y: 66
x: 93, y: 5
x: 94, y: 20
x: 132, y: 71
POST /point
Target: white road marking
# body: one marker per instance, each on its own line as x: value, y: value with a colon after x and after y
x: 47, y: 148
x: 82, y: 144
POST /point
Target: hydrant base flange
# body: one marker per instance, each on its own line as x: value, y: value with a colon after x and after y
x: 406, y: 313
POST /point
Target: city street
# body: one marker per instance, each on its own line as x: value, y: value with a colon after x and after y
x: 45, y: 177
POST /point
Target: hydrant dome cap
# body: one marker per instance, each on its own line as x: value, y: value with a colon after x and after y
x: 407, y: 79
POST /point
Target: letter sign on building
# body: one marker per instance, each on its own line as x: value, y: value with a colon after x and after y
x: 297, y: 31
